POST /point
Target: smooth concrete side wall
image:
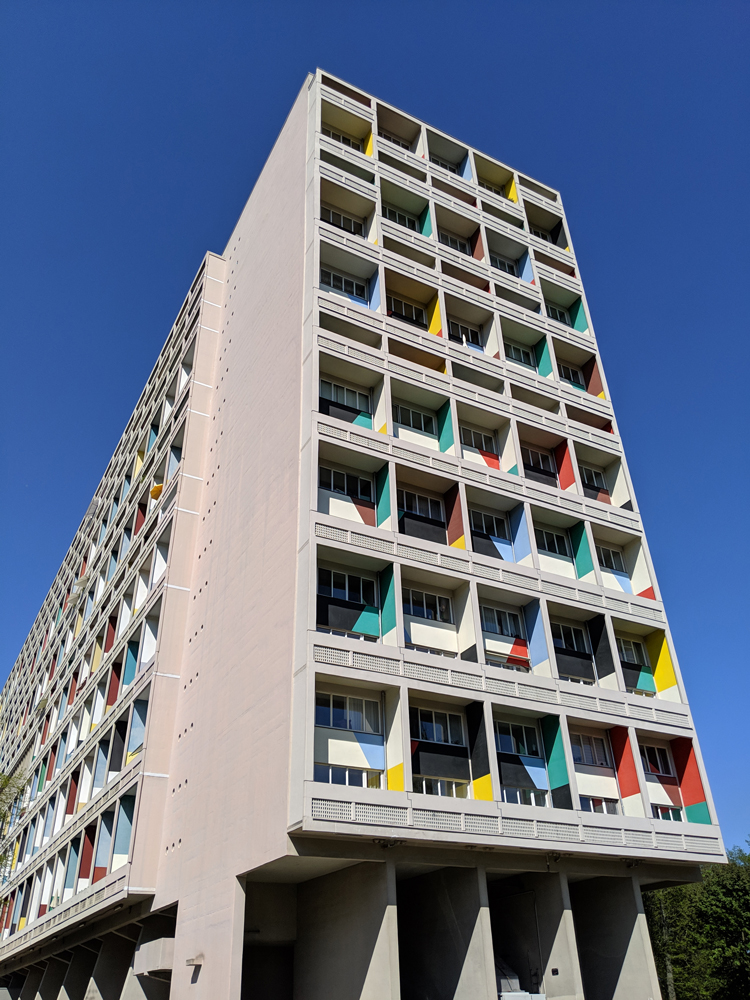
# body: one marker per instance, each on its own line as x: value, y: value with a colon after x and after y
x: 111, y: 968
x: 78, y: 975
x: 52, y: 980
x: 613, y: 941
x: 445, y: 937
x: 230, y: 760
x: 347, y: 938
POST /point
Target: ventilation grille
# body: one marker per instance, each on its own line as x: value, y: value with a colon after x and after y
x: 429, y: 819
x: 326, y: 654
x: 481, y: 824
x: 364, y: 812
x: 328, y: 809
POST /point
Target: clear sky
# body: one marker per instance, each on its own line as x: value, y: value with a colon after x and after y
x: 132, y: 134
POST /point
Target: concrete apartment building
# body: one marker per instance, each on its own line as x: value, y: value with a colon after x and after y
x: 356, y: 682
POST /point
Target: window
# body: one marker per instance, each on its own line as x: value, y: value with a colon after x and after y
x: 332, y: 775
x: 345, y: 140
x: 429, y: 606
x: 655, y: 760
x: 556, y: 313
x: 404, y: 416
x: 441, y: 786
x: 430, y: 650
x: 488, y: 524
x: 354, y: 398
x: 568, y: 637
x: 436, y: 727
x: 522, y: 355
x: 465, y: 334
x: 401, y: 218
x: 345, y: 482
x: 589, y: 750
x: 478, y: 439
x: 632, y: 651
x: 609, y: 806
x: 592, y: 477
x: 610, y: 559
x: 492, y: 188
x: 394, y: 139
x: 340, y: 283
x: 524, y: 796
x: 405, y: 310
x: 501, y: 622
x: 569, y: 374
x: 504, y: 264
x: 667, y: 812
x: 415, y: 503
x: 551, y: 541
x: 337, y: 711
x: 341, y: 221
x: 444, y: 164
x: 541, y: 233
x: 539, y: 461
x: 346, y: 587
x: 454, y: 242
x: 511, y: 737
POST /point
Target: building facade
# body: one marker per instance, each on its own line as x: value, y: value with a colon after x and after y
x: 356, y: 681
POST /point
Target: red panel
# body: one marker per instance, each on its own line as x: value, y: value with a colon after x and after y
x: 72, y: 793
x: 627, y: 775
x: 99, y: 873
x: 453, y: 514
x: 366, y: 509
x: 114, y: 685
x: 109, y: 638
x: 42, y: 909
x: 649, y: 593
x: 688, y: 774
x: 9, y: 914
x: 593, y: 378
x: 140, y: 516
x: 87, y: 851
x: 51, y: 765
x: 477, y: 250
x: 73, y: 684
x: 564, y: 466
x: 490, y: 458
x: 45, y: 730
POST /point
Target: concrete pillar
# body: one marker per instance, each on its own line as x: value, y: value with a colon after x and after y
x: 11, y: 990
x: 209, y: 935
x: 33, y: 979
x: 347, y: 938
x: 78, y: 975
x: 613, y: 943
x: 445, y: 937
x: 52, y: 980
x: 111, y: 968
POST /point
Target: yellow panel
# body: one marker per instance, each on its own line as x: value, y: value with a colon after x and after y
x: 435, y: 320
x: 395, y: 778
x: 383, y: 429
x: 22, y: 923
x: 601, y: 396
x: 368, y: 145
x: 15, y: 854
x: 483, y: 787
x: 460, y: 543
x: 156, y: 491
x: 661, y: 661
x: 510, y: 192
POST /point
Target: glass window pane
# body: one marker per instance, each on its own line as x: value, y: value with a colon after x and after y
x: 373, y: 779
x: 426, y: 728
x: 356, y: 777
x: 324, y: 582
x: 325, y: 478
x: 417, y: 603
x: 338, y: 775
x: 352, y: 485
x: 532, y: 748
x: 368, y: 592
x: 321, y: 772
x: 351, y: 398
x: 430, y: 601
x: 456, y: 729
x: 372, y: 717
x: 364, y: 402
x: 339, y: 482
x: 355, y: 589
x: 326, y: 389
x: 356, y: 715
x: 444, y: 609
x: 428, y: 425
x: 503, y: 739
x: 518, y: 740
x: 423, y: 506
x: 406, y: 598
x: 435, y: 511
x: 338, y: 715
x: 365, y: 489
x: 441, y: 727
x: 322, y: 710
x: 339, y: 585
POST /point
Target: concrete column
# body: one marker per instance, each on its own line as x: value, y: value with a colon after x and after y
x: 347, y: 938
x: 52, y: 980
x: 77, y: 977
x: 445, y: 938
x: 111, y: 968
x: 33, y: 979
x: 613, y: 943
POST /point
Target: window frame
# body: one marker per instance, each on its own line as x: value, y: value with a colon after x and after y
x: 562, y: 315
x: 351, y: 141
x: 347, y: 476
x: 430, y: 498
x: 332, y: 210
x: 584, y: 631
x: 425, y: 595
x: 601, y: 756
x: 357, y: 283
x: 467, y: 429
x: 416, y: 307
x: 356, y: 576
x: 519, y: 347
x: 387, y: 208
x: 525, y: 724
x: 396, y: 406
x: 350, y: 387
x: 462, y: 334
x: 497, y: 518
x: 450, y: 715
x: 505, y: 264
x: 349, y: 728
x: 601, y: 549
x: 461, y: 245
x: 497, y: 611
x: 544, y: 531
x: 573, y: 371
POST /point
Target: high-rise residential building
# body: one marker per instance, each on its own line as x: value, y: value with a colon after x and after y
x: 356, y: 682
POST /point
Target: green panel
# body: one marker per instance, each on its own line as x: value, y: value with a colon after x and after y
x: 363, y: 420
x: 578, y: 315
x: 554, y: 751
x: 42, y: 776
x: 698, y: 813
x: 543, y: 359
x: 387, y: 600
x: 382, y: 495
x: 425, y: 222
x: 445, y: 426
x: 581, y: 551
x: 368, y: 622
x: 646, y: 680
x: 513, y: 470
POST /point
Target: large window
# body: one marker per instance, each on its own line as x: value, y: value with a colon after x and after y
x: 539, y: 461
x: 501, y: 622
x: 551, y: 541
x: 401, y: 218
x: 342, y: 283
x: 655, y: 760
x: 590, y: 749
x: 346, y: 587
x: 463, y: 334
x: 444, y: 164
x: 436, y: 727
x: 569, y: 637
x: 330, y: 774
x: 478, y: 439
x: 524, y: 796
x: 520, y: 354
x: 445, y: 787
x: 405, y: 416
x: 592, y: 477
x: 341, y: 221
x: 556, y: 313
x: 394, y: 139
x: 430, y: 606
x: 542, y: 234
x: 488, y: 524
x: 422, y: 506
x: 609, y: 806
x: 454, y: 242
x: 632, y: 651
x: 338, y: 711
x: 345, y: 482
x: 405, y: 310
x: 570, y: 374
x: 344, y: 394
x: 503, y: 264
x: 610, y: 559
x: 345, y: 140
x: 512, y: 737
x: 667, y: 812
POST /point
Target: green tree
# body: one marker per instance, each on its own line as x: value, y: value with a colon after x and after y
x: 701, y: 932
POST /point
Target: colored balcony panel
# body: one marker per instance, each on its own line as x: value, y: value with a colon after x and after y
x: 346, y: 129
x: 429, y: 614
x: 546, y: 225
x: 347, y: 493
x: 660, y: 659
x: 557, y: 769
x: 123, y: 832
x: 689, y: 777
x: 103, y: 845
x: 450, y: 156
x: 387, y: 589
x: 627, y: 775
x: 476, y: 732
x: 347, y: 601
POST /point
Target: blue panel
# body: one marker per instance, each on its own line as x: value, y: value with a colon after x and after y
x: 373, y: 749
x: 375, y: 291
x: 537, y: 771
x: 504, y: 547
x: 465, y: 168
x: 532, y: 615
x: 524, y: 266
x: 520, y: 533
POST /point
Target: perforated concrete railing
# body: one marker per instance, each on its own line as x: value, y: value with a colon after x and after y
x: 468, y: 564
x: 479, y: 681
x: 499, y: 826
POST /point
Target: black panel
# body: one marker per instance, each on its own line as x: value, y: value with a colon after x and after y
x: 483, y: 545
x: 470, y: 654
x: 630, y: 675
x: 336, y: 613
x: 513, y: 772
x: 441, y: 760
x: 338, y: 410
x: 572, y: 664
x: 428, y: 528
x: 561, y: 797
x: 480, y: 759
x: 540, y: 476
x: 605, y: 664
x: 628, y: 505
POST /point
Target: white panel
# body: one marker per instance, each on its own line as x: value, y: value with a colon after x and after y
x: 338, y: 506
x: 662, y: 795
x: 557, y: 564
x: 417, y: 437
x: 601, y: 786
x: 438, y: 635
x: 338, y: 746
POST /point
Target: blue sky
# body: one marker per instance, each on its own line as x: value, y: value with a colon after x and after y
x: 133, y: 133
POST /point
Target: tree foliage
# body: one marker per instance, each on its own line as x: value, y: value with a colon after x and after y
x: 701, y: 932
